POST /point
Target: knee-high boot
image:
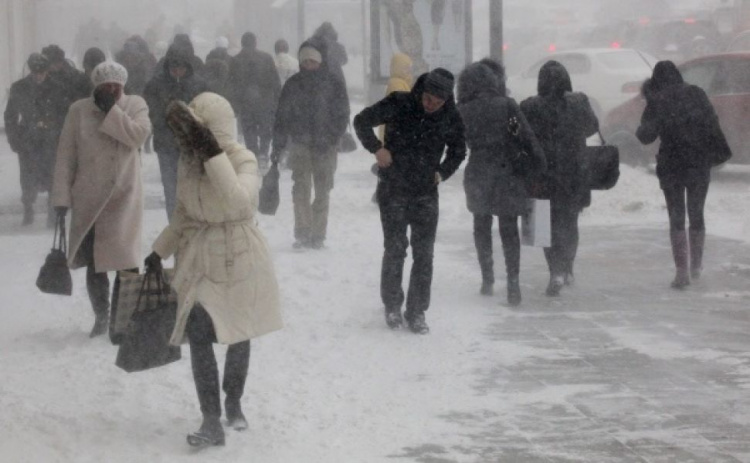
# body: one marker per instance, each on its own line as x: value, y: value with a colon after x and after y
x: 512, y: 253
x: 697, y: 241
x: 483, y: 244
x: 680, y: 254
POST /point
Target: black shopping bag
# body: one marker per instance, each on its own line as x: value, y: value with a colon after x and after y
x: 54, y: 276
x: 268, y: 201
x: 145, y: 344
x: 125, y: 293
x: 599, y: 166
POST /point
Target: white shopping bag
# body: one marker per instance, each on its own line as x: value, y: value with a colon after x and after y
x: 536, y: 226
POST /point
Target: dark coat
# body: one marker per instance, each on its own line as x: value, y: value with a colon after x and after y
x: 313, y: 110
x: 416, y: 140
x: 334, y: 55
x: 490, y: 185
x: 561, y: 120
x: 255, y: 83
x: 34, y: 113
x: 219, y: 53
x: 140, y: 66
x: 76, y: 85
x: 682, y: 116
x: 162, y: 89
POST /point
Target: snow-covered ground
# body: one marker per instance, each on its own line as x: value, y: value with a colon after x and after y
x: 335, y: 385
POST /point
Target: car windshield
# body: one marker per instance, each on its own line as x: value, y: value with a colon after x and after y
x: 624, y: 59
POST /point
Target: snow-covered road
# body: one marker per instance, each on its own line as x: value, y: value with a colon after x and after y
x: 620, y: 368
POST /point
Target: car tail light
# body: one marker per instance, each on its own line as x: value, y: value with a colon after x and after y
x: 615, y: 45
x: 505, y: 47
x: 631, y: 87
x: 552, y: 48
x: 690, y: 21
x: 644, y: 20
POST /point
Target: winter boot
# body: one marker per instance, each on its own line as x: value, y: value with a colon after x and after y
x: 393, y: 319
x: 418, y: 325
x: 680, y: 255
x: 487, y: 288
x: 28, y: 214
x: 514, y: 291
x: 210, y: 433
x: 235, y: 418
x: 556, y: 283
x: 697, y: 241
x: 101, y: 323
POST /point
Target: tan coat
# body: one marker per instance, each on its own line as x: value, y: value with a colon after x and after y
x: 98, y: 176
x: 400, y: 80
x: 222, y: 259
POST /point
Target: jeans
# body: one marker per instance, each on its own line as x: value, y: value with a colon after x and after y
x: 168, y: 161
x: 310, y: 170
x: 257, y: 132
x: 561, y: 255
x: 397, y: 213
x: 201, y: 335
x: 511, y: 245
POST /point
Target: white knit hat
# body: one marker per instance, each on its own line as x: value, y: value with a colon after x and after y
x: 109, y: 72
x: 310, y: 53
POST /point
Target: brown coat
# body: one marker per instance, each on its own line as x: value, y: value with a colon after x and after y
x: 98, y: 176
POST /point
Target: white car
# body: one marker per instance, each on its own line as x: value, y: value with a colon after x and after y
x: 608, y: 76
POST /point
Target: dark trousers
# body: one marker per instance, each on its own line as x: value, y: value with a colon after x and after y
x: 36, y: 167
x: 511, y: 245
x: 168, y: 161
x: 201, y: 334
x: 397, y: 213
x: 562, y: 254
x: 694, y: 185
x: 97, y: 284
x: 257, y: 132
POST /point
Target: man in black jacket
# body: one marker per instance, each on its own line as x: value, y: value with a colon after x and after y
x: 313, y: 112
x: 419, y: 126
x: 74, y: 82
x: 175, y: 81
x: 33, y: 120
x: 255, y: 89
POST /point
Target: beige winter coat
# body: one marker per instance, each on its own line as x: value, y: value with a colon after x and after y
x: 98, y: 176
x: 222, y: 260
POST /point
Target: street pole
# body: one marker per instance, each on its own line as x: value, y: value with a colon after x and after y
x: 301, y: 21
x: 496, y: 30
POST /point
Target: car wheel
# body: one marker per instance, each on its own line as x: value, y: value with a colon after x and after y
x: 631, y: 150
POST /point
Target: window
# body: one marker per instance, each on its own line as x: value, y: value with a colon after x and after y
x: 624, y: 60
x: 700, y: 74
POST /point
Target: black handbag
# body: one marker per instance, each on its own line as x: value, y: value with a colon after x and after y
x: 268, y: 200
x: 347, y: 144
x: 145, y: 345
x: 522, y: 163
x: 599, y: 166
x: 54, y: 276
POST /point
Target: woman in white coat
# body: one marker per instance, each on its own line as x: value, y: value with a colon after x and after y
x: 98, y: 175
x: 224, y: 277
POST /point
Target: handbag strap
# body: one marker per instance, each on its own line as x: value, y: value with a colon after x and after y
x: 59, y: 241
x: 162, y: 288
x: 604, y: 142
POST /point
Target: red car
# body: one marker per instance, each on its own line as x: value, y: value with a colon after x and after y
x: 726, y: 80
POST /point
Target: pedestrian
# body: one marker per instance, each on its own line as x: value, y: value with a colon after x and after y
x: 335, y: 56
x: 224, y: 277
x: 75, y: 83
x: 419, y: 126
x: 561, y: 120
x: 183, y: 40
x: 221, y: 51
x: 98, y: 177
x: 33, y: 118
x: 493, y: 187
x: 682, y: 117
x: 255, y: 89
x: 91, y: 59
x: 286, y: 64
x: 139, y: 62
x: 176, y: 80
x: 313, y: 112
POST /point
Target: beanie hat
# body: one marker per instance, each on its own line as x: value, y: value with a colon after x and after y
x: 222, y: 42
x: 310, y: 53
x: 37, y: 62
x: 439, y: 82
x: 53, y: 53
x: 109, y: 72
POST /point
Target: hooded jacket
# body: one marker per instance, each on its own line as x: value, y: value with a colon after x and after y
x: 682, y: 116
x: 561, y: 120
x: 334, y: 55
x: 255, y: 83
x: 416, y: 140
x: 222, y: 259
x: 490, y: 185
x: 163, y: 88
x: 313, y: 109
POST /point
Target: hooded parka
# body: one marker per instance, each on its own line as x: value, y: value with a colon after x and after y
x: 490, y: 185
x: 222, y: 259
x: 562, y: 120
x: 98, y: 176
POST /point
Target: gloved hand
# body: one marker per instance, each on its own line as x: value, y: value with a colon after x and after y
x: 205, y: 143
x: 62, y: 211
x: 104, y: 99
x: 152, y: 263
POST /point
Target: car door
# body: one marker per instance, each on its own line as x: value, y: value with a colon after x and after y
x: 730, y: 95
